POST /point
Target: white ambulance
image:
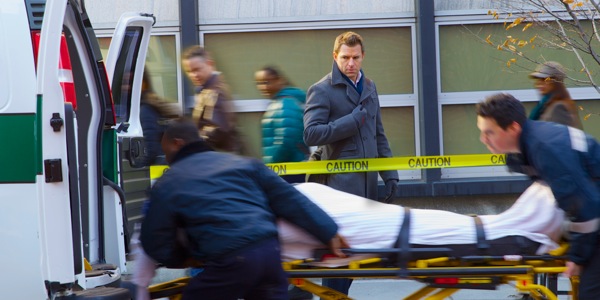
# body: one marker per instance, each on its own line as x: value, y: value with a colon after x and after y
x: 60, y: 124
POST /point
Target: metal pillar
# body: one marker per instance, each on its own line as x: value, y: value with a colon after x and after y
x: 427, y: 80
x: 188, y: 16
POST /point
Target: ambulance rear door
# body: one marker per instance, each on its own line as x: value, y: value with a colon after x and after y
x: 125, y: 67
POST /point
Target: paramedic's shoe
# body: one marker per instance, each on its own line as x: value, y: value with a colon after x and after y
x: 296, y: 293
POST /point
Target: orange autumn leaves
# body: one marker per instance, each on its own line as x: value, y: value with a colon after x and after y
x: 511, y: 43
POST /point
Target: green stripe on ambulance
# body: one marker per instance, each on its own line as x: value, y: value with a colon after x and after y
x: 18, y: 158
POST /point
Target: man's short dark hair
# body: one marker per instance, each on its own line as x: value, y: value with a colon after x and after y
x: 195, y: 51
x: 183, y: 128
x: 503, y: 108
x: 349, y: 39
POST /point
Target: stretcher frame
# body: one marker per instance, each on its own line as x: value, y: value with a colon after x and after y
x: 535, y: 275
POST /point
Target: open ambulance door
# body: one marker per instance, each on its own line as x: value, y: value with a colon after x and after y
x: 125, y: 68
x: 60, y: 165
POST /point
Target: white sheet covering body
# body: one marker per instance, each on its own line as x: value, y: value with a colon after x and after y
x: 369, y: 224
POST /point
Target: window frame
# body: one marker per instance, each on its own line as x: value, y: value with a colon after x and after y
x: 393, y: 100
x: 160, y: 31
x: 473, y: 97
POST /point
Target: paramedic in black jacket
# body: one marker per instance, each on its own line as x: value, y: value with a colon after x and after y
x: 226, y: 207
x: 568, y: 160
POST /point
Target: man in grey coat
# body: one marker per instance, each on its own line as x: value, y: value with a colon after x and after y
x: 342, y: 115
x: 342, y: 111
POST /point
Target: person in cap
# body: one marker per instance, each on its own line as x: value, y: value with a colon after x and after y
x: 221, y: 209
x: 568, y: 160
x: 556, y: 104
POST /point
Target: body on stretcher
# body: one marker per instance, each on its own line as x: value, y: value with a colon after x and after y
x: 479, y: 247
x: 444, y: 270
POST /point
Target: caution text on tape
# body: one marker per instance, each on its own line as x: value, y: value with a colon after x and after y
x: 375, y: 164
x: 386, y: 164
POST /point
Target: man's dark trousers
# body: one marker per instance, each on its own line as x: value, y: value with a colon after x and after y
x: 254, y: 273
x: 589, y: 285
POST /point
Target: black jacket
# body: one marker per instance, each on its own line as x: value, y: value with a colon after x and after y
x: 223, y: 203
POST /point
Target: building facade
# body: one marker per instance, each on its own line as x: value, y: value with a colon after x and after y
x: 429, y: 59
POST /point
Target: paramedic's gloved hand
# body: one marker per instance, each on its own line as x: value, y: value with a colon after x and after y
x: 391, y: 186
x: 360, y: 115
x: 337, y: 243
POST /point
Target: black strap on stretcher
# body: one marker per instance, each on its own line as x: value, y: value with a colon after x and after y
x: 482, y: 243
x: 403, y: 245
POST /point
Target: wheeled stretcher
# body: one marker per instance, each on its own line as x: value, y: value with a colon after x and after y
x: 445, y: 251
x: 444, y: 270
x: 442, y: 274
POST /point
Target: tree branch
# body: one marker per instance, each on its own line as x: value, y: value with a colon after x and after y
x: 582, y: 34
x: 587, y: 71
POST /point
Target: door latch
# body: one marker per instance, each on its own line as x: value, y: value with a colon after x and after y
x: 56, y: 122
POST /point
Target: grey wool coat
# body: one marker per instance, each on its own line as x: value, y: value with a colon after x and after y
x: 328, y: 122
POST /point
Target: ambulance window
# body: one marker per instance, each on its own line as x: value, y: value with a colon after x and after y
x: 124, y: 70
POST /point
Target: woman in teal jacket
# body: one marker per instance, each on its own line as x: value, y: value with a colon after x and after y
x: 282, y: 123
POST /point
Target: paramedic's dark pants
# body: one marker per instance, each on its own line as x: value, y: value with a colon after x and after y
x: 254, y: 273
x: 589, y: 284
x: 338, y: 284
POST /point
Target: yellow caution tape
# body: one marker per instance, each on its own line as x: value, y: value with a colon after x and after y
x: 386, y: 164
x: 375, y: 164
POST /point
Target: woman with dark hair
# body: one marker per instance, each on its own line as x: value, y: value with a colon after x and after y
x: 556, y: 104
x: 155, y: 112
